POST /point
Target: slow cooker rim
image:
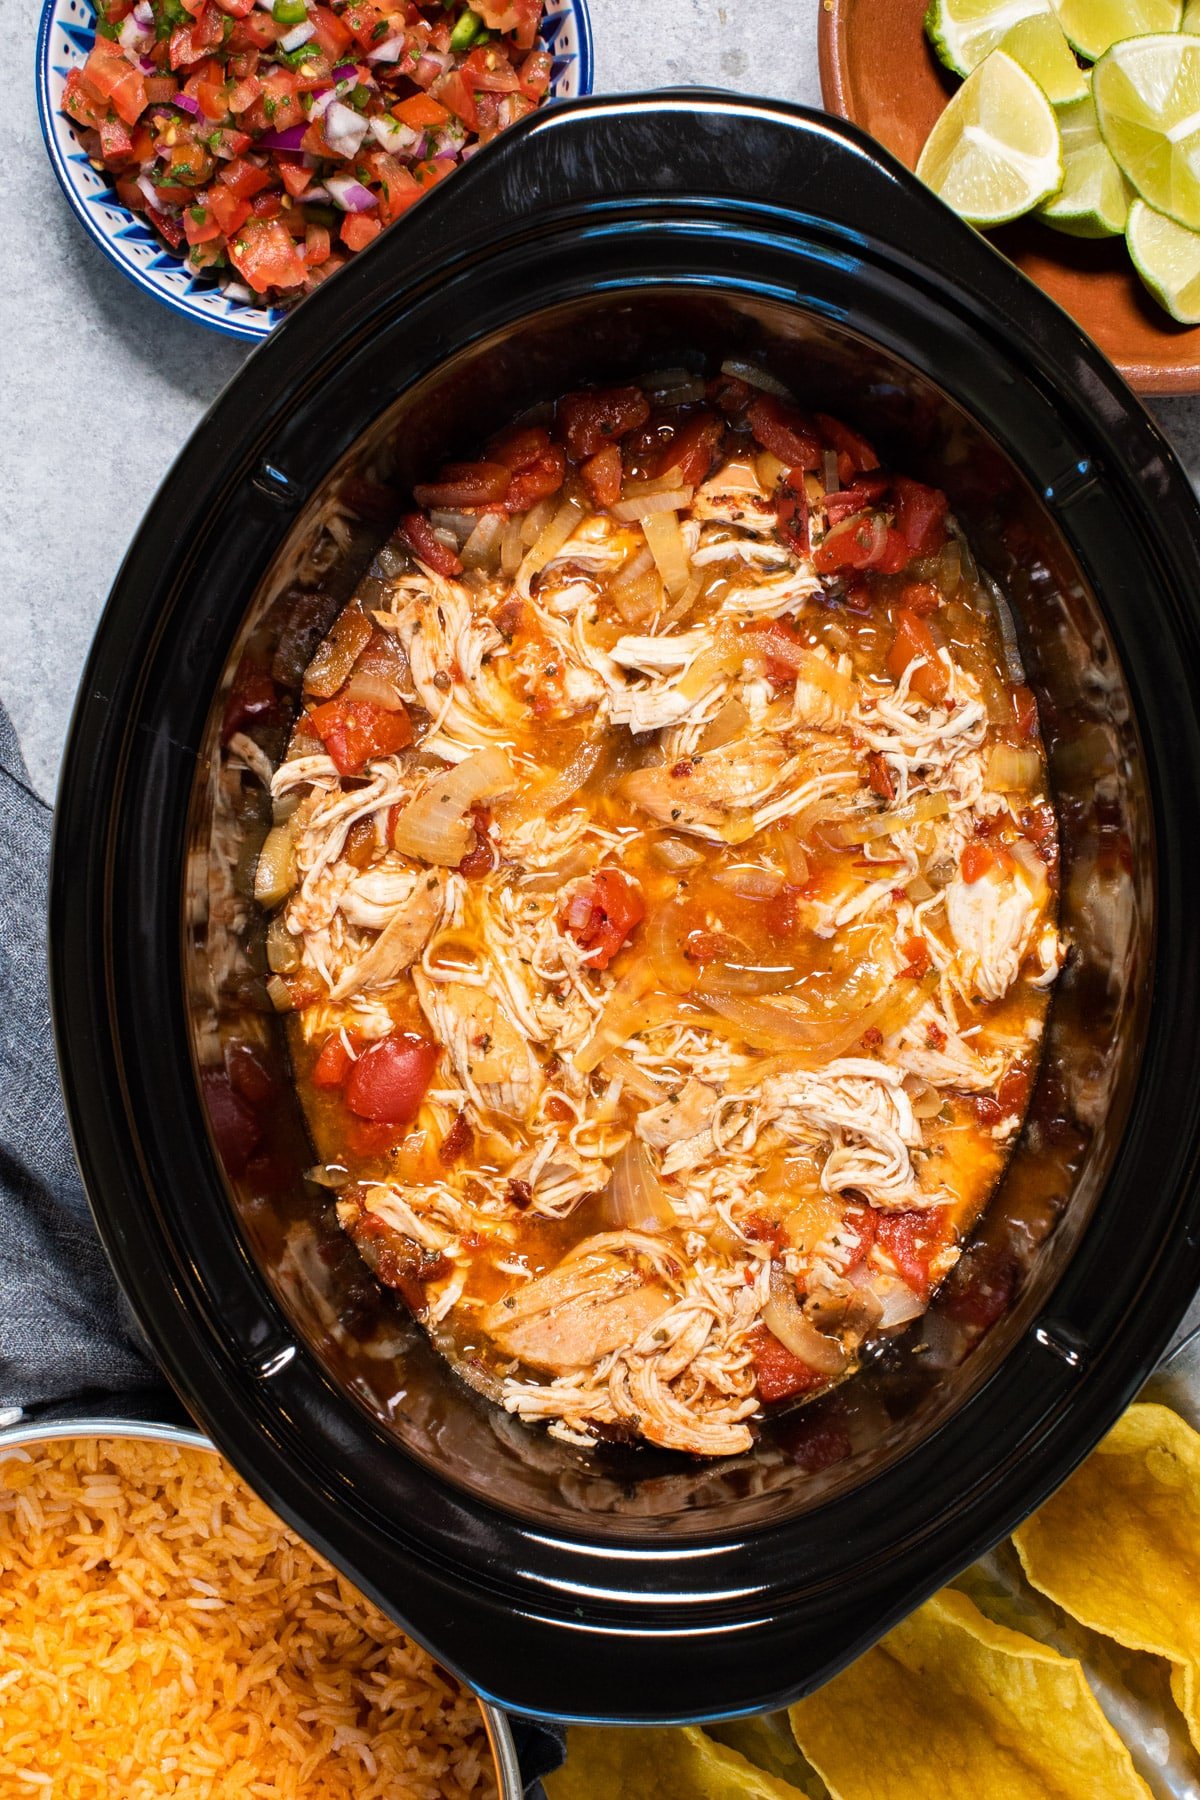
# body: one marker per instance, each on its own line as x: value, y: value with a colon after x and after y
x: 134, y: 1264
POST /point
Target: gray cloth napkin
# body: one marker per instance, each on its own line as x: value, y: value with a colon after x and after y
x: 66, y: 1332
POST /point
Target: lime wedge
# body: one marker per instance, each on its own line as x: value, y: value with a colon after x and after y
x: 1093, y: 200
x: 1094, y: 25
x: 963, y: 32
x: 995, y: 152
x: 1147, y: 94
x: 1039, y: 45
x: 1167, y: 257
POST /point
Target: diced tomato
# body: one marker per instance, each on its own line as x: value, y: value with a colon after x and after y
x: 227, y: 143
x: 478, y: 860
x: 855, y: 543
x: 921, y: 597
x: 860, y: 496
x: 603, y: 474
x: 453, y: 92
x: 82, y: 102
x: 593, y: 419
x: 694, y: 447
x: 785, y: 431
x: 264, y: 254
x: 792, y: 512
x: 602, y: 914
x: 914, y: 639
x: 425, y: 543
x: 489, y: 70
x: 389, y: 1081
x: 354, y: 731
x: 780, y: 1374
x: 917, y: 960
x: 535, y: 74
x: 294, y: 176
x: 116, y: 145
x: 333, y: 1063
x: 911, y: 1239
x: 199, y: 225
x: 521, y: 18
x: 1025, y: 712
x: 420, y: 111
x: 167, y: 225
x: 226, y: 208
x: 245, y: 179
x: 234, y: 1126
x: 358, y: 229
x: 879, y: 777
x: 257, y: 31
x: 370, y: 22
x: 847, y: 443
x: 334, y: 37
x: 977, y: 860
x: 316, y: 245
x: 108, y: 73
x: 465, y: 484
x: 861, y: 1220
x: 235, y: 9
x: 920, y: 514
x: 433, y: 170
x: 538, y: 466
x: 458, y: 1140
x: 731, y: 394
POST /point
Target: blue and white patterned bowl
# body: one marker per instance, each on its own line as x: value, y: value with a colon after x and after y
x: 65, y: 38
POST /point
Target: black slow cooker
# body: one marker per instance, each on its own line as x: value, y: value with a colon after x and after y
x: 597, y: 241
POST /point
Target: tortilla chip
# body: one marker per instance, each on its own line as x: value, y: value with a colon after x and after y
x: 610, y: 1763
x: 950, y: 1703
x: 1118, y: 1547
x: 767, y: 1742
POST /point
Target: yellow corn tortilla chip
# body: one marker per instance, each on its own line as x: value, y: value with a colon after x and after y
x: 767, y: 1742
x: 951, y: 1704
x: 1118, y: 1547
x: 612, y: 1763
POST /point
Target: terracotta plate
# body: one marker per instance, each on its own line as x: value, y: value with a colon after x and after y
x: 878, y: 70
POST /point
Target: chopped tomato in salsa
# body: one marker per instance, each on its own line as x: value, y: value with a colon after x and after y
x: 319, y: 124
x: 602, y: 914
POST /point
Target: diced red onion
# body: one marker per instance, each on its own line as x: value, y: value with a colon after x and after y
x: 291, y: 139
x: 236, y: 290
x: 345, y: 71
x: 299, y: 34
x: 315, y: 193
x: 322, y: 101
x: 402, y: 140
x: 132, y: 35
x: 390, y: 51
x: 470, y: 150
x: 344, y: 129
x: 349, y: 194
x: 144, y: 14
x: 148, y: 66
x: 186, y: 104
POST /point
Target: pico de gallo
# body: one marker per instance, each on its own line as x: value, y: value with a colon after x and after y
x: 268, y: 140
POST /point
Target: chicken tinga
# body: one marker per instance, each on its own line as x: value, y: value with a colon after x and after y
x: 664, y: 903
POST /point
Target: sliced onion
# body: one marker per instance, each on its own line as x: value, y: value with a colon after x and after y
x: 1036, y: 878
x: 614, y: 1027
x: 551, y: 540
x: 925, y: 1100
x: 662, y: 944
x: 647, y: 506
x: 769, y: 470
x: 432, y: 826
x: 377, y: 687
x: 536, y: 521
x: 279, y: 994
x: 460, y: 525
x: 676, y: 853
x: 283, y: 949
x: 639, y: 1081
x: 275, y: 871
x: 897, y: 1301
x: 330, y: 668
x: 784, y: 1316
x: 784, y: 1030
x: 884, y: 824
x: 511, y: 548
x: 482, y: 548
x: 752, y: 881
x: 635, y: 1199
x: 539, y: 801
x: 1013, y: 666
x: 1011, y: 770
x: 670, y: 552
x: 829, y: 470
x: 724, y: 656
x: 730, y: 723
x: 756, y: 377
x: 919, y: 889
